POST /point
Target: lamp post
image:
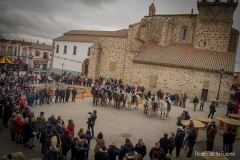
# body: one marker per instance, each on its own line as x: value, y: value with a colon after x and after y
x: 221, y: 71
x: 62, y: 67
x: 31, y: 58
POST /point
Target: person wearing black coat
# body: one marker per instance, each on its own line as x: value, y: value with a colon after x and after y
x: 88, y: 137
x: 74, y: 93
x: 73, y: 145
x: 81, y: 148
x: 68, y: 91
x: 62, y: 95
x: 157, y: 148
x: 179, y: 140
x: 191, y: 141
x: 52, y: 120
x: 26, y: 132
x: 56, y: 94
x: 101, y: 154
x: 227, y: 139
x: 212, y: 110
x: 165, y: 143
x: 187, y: 117
x: 140, y: 148
x: 113, y: 151
x: 125, y: 148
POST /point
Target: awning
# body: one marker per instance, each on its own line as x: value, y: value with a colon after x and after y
x: 18, y: 61
x: 5, y: 60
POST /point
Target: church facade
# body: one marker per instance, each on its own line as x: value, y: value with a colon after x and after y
x: 176, y: 53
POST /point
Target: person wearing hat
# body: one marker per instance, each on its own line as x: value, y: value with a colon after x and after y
x: 71, y: 127
x: 179, y: 140
x: 153, y: 100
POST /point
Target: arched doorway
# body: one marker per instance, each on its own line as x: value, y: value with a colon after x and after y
x: 85, y: 65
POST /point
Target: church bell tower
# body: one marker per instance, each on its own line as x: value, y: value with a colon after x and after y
x: 152, y: 10
x: 214, y: 24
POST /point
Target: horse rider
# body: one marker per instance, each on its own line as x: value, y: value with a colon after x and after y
x: 154, y: 103
x: 133, y: 93
x: 159, y: 93
x: 98, y: 88
x: 149, y: 95
x: 122, y: 93
x: 168, y: 107
x: 108, y: 88
x: 167, y: 96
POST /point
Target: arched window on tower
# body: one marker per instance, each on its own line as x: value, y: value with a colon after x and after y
x: 204, y: 43
x: 184, y: 34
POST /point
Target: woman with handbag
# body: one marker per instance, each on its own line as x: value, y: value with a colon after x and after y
x: 55, y: 146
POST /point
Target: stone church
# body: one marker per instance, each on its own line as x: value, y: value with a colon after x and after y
x: 181, y: 53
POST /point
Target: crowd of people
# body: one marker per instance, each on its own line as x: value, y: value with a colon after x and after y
x: 58, y: 139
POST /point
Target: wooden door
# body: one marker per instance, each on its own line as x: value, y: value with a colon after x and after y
x: 86, y: 68
x: 204, y: 94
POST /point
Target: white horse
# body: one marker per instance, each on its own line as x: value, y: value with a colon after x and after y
x: 147, y: 107
x: 162, y: 105
x: 129, y: 101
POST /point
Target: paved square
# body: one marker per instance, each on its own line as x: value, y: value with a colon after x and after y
x: 113, y: 123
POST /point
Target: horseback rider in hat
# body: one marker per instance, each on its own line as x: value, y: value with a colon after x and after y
x: 154, y: 103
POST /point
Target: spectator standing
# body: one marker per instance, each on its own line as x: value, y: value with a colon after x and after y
x: 184, y: 99
x: 179, y: 140
x: 56, y: 95
x: 26, y: 132
x: 18, y: 129
x: 125, y: 148
x: 12, y: 126
x: 99, y: 142
x: 113, y: 151
x: 201, y: 105
x: 41, y: 120
x: 180, y: 118
x: 54, y: 146
x: 71, y: 127
x: 91, y: 121
x: 157, y: 150
x: 212, y: 110
x: 74, y: 93
x: 81, y: 132
x: 229, y: 107
x: 191, y: 141
x: 210, y: 137
x: 227, y: 139
x: 140, y: 148
x: 131, y: 154
x: 66, y: 139
x: 52, y: 120
x: 81, y: 148
x: 101, y: 154
x: 172, y: 144
x: 236, y: 108
x: 232, y: 140
x: 60, y: 128
x: 195, y: 102
x: 165, y: 143
x: 33, y: 131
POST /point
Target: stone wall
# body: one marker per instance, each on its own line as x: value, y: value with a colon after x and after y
x: 233, y: 43
x: 167, y: 29
x: 214, y: 27
x: 112, y: 50
x: 179, y: 80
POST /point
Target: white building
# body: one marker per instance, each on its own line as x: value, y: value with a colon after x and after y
x: 71, y: 50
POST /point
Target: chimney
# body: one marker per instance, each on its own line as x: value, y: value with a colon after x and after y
x: 192, y: 11
x: 43, y: 43
x: 23, y: 40
x: 37, y: 41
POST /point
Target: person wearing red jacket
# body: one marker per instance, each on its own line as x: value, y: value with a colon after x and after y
x: 18, y: 129
x: 235, y: 109
x: 71, y: 127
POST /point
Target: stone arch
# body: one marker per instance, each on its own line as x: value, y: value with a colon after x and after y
x: 85, y: 65
x: 142, y: 32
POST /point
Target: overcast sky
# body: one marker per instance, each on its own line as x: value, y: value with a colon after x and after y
x: 44, y: 20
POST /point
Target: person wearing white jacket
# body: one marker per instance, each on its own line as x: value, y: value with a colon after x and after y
x: 55, y: 146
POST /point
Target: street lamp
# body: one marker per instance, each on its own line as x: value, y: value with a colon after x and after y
x: 221, y: 71
x: 31, y: 58
x: 62, y: 67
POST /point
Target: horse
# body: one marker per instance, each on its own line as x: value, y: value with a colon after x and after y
x: 137, y: 98
x: 104, y: 97
x: 162, y: 105
x: 95, y: 95
x: 117, y: 100
x: 129, y: 99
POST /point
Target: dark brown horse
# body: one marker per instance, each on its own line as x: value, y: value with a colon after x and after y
x: 118, y: 99
x: 96, y: 95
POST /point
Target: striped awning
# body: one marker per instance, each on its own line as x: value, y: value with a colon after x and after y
x: 5, y: 60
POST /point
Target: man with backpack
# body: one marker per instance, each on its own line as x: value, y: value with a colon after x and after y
x: 47, y: 143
